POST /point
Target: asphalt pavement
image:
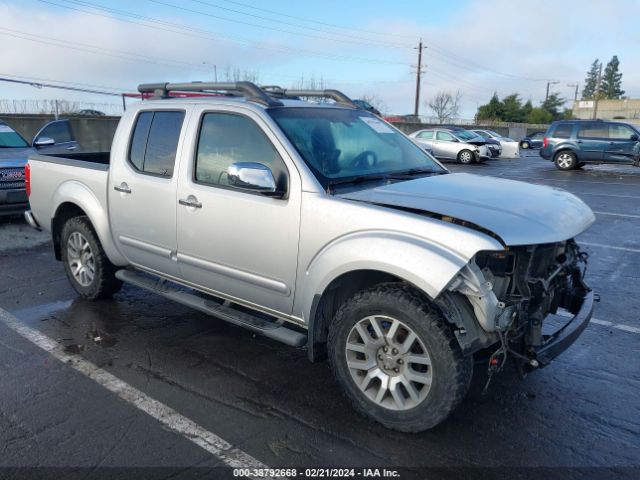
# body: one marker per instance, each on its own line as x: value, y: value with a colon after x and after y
x: 578, y: 418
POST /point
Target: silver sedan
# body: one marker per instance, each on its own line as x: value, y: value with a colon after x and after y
x: 459, y: 145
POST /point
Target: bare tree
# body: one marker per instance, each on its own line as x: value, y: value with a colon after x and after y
x: 376, y: 102
x: 445, y: 105
x: 234, y: 74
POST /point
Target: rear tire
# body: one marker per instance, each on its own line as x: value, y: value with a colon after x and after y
x: 412, y: 384
x: 525, y: 145
x: 565, y: 160
x: 465, y: 157
x: 88, y: 269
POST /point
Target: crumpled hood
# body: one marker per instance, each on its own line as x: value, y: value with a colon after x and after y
x: 519, y: 213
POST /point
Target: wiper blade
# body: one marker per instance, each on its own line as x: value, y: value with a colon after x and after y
x: 356, y: 180
x: 415, y: 171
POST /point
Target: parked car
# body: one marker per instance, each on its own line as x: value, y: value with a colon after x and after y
x: 532, y: 141
x: 89, y: 113
x: 572, y: 144
x: 54, y: 137
x: 495, y: 149
x: 321, y: 225
x: 449, y: 144
x: 363, y: 104
x: 510, y: 148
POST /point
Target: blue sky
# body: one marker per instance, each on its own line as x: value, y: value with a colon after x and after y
x: 361, y: 47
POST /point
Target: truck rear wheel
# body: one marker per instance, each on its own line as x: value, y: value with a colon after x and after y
x: 397, y: 358
x: 88, y: 269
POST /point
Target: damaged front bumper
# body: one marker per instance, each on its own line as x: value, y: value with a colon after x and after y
x: 564, y: 337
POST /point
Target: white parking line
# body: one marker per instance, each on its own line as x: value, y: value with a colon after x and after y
x: 606, y: 323
x: 212, y: 443
x: 600, y: 245
x: 628, y: 215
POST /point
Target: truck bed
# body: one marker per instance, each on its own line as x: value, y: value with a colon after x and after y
x: 80, y: 159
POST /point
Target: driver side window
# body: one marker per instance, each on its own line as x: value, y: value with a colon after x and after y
x: 447, y: 137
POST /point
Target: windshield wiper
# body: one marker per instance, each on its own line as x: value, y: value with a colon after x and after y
x: 413, y: 172
x: 356, y: 180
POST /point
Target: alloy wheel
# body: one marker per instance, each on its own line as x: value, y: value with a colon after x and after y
x: 80, y: 259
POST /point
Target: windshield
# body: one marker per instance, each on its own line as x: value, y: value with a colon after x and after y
x: 467, y: 135
x: 494, y: 134
x: 9, y: 138
x: 339, y: 143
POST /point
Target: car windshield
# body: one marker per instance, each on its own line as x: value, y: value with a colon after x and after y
x: 9, y: 138
x: 467, y: 135
x: 494, y: 134
x: 340, y: 143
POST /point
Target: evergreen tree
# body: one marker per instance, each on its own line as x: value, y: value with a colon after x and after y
x: 512, y: 109
x: 591, y: 82
x: 611, y: 83
x: 493, y: 110
x: 553, y: 104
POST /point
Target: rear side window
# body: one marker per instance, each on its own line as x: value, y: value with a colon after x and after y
x: 155, y: 141
x: 563, y: 130
x: 428, y: 135
x: 593, y: 130
x: 620, y: 132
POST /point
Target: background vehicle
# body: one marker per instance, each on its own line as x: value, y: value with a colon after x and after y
x: 322, y: 225
x: 571, y: 144
x: 54, y: 137
x: 510, y: 148
x: 448, y: 144
x: 494, y: 146
x: 532, y: 141
x: 363, y: 104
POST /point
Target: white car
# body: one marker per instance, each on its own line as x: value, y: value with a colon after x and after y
x: 510, y: 148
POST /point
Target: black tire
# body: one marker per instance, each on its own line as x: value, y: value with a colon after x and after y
x: 104, y: 282
x: 580, y: 165
x: 465, y: 157
x: 451, y: 372
x: 565, y: 160
x: 525, y: 145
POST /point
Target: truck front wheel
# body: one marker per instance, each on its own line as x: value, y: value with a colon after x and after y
x: 88, y: 269
x: 397, y: 358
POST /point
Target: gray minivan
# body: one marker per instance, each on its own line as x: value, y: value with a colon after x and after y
x: 571, y: 144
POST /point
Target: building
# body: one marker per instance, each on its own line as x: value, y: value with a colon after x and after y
x: 625, y: 110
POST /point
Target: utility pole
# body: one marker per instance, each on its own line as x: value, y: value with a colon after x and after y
x: 597, y: 95
x: 575, y: 96
x: 215, y: 73
x: 550, y: 83
x: 418, y: 73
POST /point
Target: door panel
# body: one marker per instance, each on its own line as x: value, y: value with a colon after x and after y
x: 620, y: 147
x: 142, y: 193
x: 592, y: 139
x: 240, y: 244
x: 447, y: 147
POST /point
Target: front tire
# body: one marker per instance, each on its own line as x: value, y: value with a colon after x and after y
x: 397, y: 359
x: 525, y: 145
x: 465, y: 157
x: 565, y: 160
x: 88, y: 269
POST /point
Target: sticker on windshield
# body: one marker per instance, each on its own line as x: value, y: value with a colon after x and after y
x: 376, y: 124
x: 6, y: 129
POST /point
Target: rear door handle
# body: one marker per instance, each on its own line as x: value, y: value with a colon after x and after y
x: 122, y: 188
x: 190, y: 201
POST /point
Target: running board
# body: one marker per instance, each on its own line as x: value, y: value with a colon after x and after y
x: 271, y: 329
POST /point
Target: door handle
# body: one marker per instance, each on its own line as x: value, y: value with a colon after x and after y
x: 72, y: 147
x: 190, y: 201
x: 122, y: 188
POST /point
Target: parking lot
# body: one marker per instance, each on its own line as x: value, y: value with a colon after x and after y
x: 580, y: 416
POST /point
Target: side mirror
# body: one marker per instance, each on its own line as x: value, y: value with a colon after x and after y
x: 252, y: 176
x: 634, y: 137
x: 44, y: 142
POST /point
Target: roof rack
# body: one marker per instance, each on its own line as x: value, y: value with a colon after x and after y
x: 266, y: 95
x: 335, y: 95
x: 248, y: 90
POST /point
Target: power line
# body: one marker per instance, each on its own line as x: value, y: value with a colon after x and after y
x: 209, y: 34
x: 61, y: 87
x: 35, y: 80
x: 364, y: 40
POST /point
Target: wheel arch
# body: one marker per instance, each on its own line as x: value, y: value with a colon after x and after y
x: 74, y: 199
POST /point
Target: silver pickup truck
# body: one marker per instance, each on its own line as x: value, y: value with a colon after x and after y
x: 321, y: 226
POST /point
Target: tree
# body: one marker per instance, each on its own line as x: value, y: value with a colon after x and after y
x: 494, y: 110
x: 539, y: 115
x: 591, y: 81
x: 376, y: 102
x: 526, y: 109
x: 611, y: 83
x: 512, y: 109
x: 445, y: 105
x: 553, y: 104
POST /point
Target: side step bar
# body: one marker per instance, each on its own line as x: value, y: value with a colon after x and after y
x: 272, y: 329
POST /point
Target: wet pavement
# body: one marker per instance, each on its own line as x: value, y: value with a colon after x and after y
x: 268, y: 400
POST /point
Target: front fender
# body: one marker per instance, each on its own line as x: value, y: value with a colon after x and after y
x: 427, y: 265
x: 83, y: 197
